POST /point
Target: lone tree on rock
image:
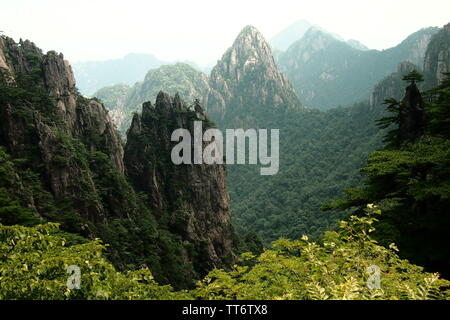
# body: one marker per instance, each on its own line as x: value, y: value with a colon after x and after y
x: 413, y: 77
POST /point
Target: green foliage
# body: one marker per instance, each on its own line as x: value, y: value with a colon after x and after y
x: 334, y: 268
x: 393, y: 119
x: 320, y: 155
x: 34, y: 264
x: 440, y: 108
x: 11, y: 212
x: 66, y: 175
x: 27, y: 90
x: 411, y: 184
x: 413, y: 77
x: 12, y: 206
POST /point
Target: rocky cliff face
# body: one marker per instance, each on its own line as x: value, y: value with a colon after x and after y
x: 70, y: 169
x: 392, y: 86
x: 115, y: 98
x: 327, y: 72
x: 437, y: 58
x: 247, y: 79
x: 44, y: 129
x: 193, y: 198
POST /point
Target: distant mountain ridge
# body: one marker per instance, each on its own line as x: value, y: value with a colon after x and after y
x: 326, y: 72
x: 294, y: 32
x: 283, y: 39
x: 317, y: 152
x: 93, y: 75
x: 246, y: 80
x: 179, y: 78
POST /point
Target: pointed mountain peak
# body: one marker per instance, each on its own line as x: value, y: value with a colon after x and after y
x: 249, y: 31
x: 163, y: 102
x: 247, y: 76
x: 315, y: 39
x: 315, y: 33
x: 251, y: 42
x: 250, y: 48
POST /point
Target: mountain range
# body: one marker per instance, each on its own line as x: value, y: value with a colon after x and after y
x: 62, y: 159
x: 343, y: 75
x: 286, y: 37
x: 247, y: 89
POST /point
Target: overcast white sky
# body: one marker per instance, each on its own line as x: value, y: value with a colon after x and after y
x: 201, y: 30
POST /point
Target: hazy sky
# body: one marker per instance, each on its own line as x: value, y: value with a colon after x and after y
x: 201, y: 31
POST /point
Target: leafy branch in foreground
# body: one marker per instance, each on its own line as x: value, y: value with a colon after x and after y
x: 34, y: 263
x: 34, y: 260
x: 334, y: 268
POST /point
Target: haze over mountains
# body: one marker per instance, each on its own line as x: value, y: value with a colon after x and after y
x: 93, y: 75
x: 246, y: 88
x: 342, y: 74
x: 102, y: 167
x: 314, y: 61
x: 286, y: 37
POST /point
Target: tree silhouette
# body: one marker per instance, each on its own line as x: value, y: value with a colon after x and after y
x: 413, y: 77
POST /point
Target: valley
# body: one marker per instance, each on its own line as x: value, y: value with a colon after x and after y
x: 160, y: 181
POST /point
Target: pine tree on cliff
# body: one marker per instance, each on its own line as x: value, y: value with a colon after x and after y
x: 410, y: 182
x: 408, y: 115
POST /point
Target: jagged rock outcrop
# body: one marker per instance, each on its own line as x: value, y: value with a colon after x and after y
x: 65, y: 116
x: 327, y: 72
x: 71, y: 170
x: 392, y: 86
x: 244, y: 83
x: 193, y: 198
x: 247, y: 79
x: 437, y: 58
x: 412, y: 119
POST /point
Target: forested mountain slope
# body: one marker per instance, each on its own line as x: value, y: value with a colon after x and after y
x: 179, y: 78
x: 320, y: 152
x: 62, y: 160
x: 409, y: 177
